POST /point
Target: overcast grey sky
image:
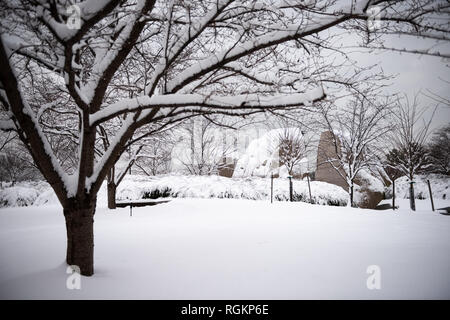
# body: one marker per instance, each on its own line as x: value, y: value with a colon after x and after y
x: 415, y: 73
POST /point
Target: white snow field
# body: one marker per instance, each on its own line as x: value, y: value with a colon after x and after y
x: 230, y: 249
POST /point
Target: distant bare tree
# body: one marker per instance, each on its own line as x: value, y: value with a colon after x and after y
x: 16, y: 164
x: 440, y: 151
x: 291, y: 148
x: 5, y: 138
x: 409, y: 154
x: 113, y: 177
x: 156, y: 155
x: 356, y: 131
x: 203, y: 150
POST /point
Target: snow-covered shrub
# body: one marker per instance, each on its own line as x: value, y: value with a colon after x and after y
x: 27, y: 193
x: 440, y: 186
x: 156, y: 193
x: 175, y: 186
x: 18, y: 196
x: 135, y: 187
x: 46, y: 197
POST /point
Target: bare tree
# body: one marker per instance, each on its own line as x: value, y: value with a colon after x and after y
x: 156, y: 155
x: 409, y: 154
x: 5, y: 138
x: 292, y: 147
x: 16, y: 164
x: 355, y: 132
x: 202, y: 150
x: 439, y: 150
x: 114, y: 178
x: 150, y: 155
x: 184, y: 58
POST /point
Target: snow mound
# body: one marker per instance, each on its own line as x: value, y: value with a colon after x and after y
x: 261, y: 157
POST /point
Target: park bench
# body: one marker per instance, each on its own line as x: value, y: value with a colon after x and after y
x: 139, y: 204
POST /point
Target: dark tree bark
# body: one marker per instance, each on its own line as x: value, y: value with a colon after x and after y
x: 114, y: 182
x: 351, y: 195
x: 111, y: 195
x: 412, y: 200
x: 393, y: 194
x: 80, y: 235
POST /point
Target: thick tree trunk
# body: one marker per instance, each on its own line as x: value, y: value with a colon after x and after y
x: 111, y: 195
x: 80, y: 237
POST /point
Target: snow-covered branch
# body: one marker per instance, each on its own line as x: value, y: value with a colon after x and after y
x: 31, y: 132
x: 197, y: 101
x: 7, y: 125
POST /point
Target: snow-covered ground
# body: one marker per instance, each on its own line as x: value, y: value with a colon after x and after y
x: 230, y: 249
x: 421, y: 205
